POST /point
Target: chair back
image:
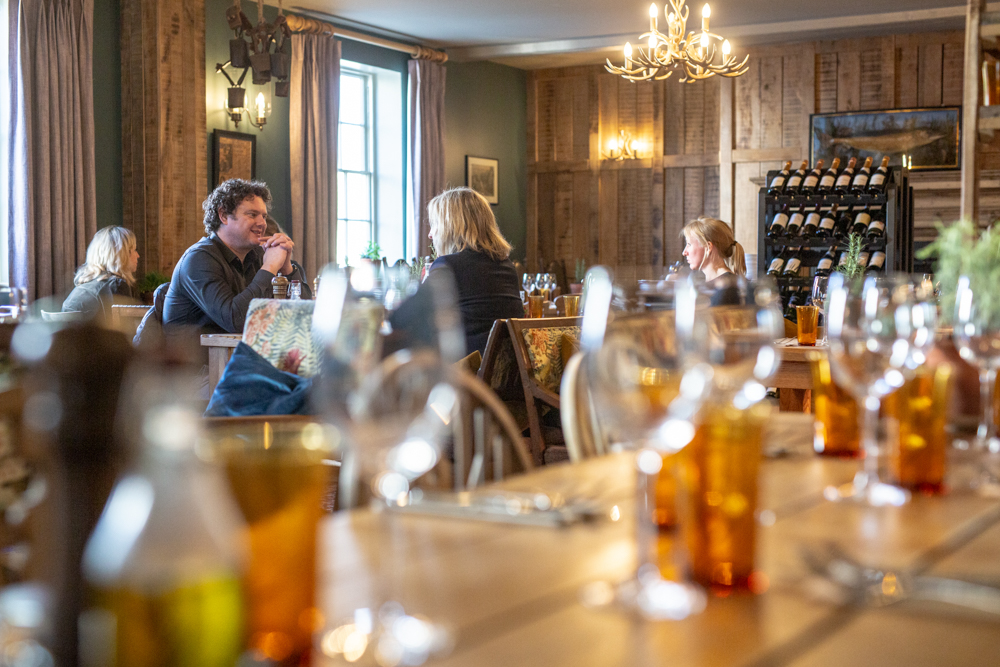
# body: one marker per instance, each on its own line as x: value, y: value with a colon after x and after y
x: 581, y: 428
x: 499, y: 365
x: 280, y: 330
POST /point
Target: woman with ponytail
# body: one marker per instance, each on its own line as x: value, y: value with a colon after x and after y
x: 712, y: 249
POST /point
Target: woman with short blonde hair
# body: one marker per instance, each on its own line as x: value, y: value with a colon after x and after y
x: 108, y: 273
x: 469, y: 243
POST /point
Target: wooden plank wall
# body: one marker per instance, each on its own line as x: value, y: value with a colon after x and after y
x: 164, y: 144
x: 629, y: 214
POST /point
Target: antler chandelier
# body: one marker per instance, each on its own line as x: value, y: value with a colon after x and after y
x: 697, y: 55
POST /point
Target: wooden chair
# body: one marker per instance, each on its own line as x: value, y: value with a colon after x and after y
x: 540, y: 367
x: 126, y: 318
x: 581, y: 428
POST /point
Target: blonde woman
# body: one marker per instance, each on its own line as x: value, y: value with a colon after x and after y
x: 107, y: 275
x: 468, y: 241
x: 712, y: 249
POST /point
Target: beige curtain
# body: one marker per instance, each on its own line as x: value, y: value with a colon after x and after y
x: 314, y: 109
x: 426, y: 88
x: 53, y: 209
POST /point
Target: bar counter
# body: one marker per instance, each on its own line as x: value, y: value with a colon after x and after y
x: 513, y: 593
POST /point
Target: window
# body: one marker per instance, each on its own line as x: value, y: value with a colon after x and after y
x: 5, y: 90
x: 370, y: 187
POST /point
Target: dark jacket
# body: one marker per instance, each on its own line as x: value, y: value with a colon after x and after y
x: 94, y: 299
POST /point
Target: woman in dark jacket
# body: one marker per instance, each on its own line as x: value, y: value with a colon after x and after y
x: 468, y: 241
x: 107, y: 276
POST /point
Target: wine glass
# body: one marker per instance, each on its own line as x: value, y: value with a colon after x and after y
x: 977, y: 337
x: 878, y: 333
x: 394, y: 416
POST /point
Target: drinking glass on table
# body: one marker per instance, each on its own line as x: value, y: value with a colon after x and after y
x: 977, y: 337
x: 878, y: 334
x: 394, y: 415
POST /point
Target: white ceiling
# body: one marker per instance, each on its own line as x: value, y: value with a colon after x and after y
x: 521, y: 31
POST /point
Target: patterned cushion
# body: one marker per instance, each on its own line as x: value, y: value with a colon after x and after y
x: 281, y: 332
x: 545, y: 354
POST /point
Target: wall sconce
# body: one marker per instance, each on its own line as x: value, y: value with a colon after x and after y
x: 622, y: 148
x: 236, y: 101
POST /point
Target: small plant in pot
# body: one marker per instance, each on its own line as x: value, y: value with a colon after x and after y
x: 148, y: 284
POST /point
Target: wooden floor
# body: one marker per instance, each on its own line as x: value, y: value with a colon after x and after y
x: 512, y: 593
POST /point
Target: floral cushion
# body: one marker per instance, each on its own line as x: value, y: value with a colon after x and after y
x: 545, y: 354
x: 281, y: 332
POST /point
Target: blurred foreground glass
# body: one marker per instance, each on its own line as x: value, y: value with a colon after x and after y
x: 878, y: 335
x: 977, y: 337
x: 277, y: 473
x: 916, y: 420
x: 807, y: 324
x: 836, y: 417
x: 163, y: 563
x: 535, y: 305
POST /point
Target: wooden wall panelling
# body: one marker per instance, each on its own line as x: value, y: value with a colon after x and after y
x: 656, y: 187
x: 907, y: 75
x: 745, y: 216
x: 771, y: 102
x: 563, y: 120
x: 726, y: 139
x: 673, y: 117
x: 694, y: 119
x: 951, y: 74
x: 888, y: 68
x: 607, y: 89
x: 711, y: 115
x: 694, y: 192
x: 848, y: 81
x: 929, y: 92
x: 581, y: 117
x: 747, y: 106
x: 545, y: 129
x: 627, y: 107
x: 628, y: 217
x: 562, y: 218
x: 710, y: 202
x: 673, y: 215
x: 826, y: 82
x: 792, y: 100
x: 546, y: 218
x: 871, y: 79
x: 608, y: 251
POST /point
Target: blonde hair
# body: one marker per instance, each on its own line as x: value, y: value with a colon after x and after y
x: 719, y: 234
x: 109, y: 254
x: 461, y: 218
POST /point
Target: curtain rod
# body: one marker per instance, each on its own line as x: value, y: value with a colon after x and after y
x: 300, y: 24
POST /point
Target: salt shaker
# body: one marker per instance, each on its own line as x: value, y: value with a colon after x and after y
x: 295, y: 290
x: 279, y: 286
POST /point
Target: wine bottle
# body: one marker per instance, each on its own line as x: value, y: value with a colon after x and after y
x: 829, y: 178
x: 810, y: 182
x: 876, y: 228
x: 828, y: 221
x: 844, y: 223
x: 795, y: 180
x: 876, y: 263
x: 860, y: 182
x: 861, y: 221
x: 793, y: 263
x: 778, y: 263
x: 843, y: 182
x: 826, y: 262
x: 880, y: 178
x: 863, y: 257
x: 779, y: 180
x: 811, y: 226
x: 779, y: 222
x: 795, y: 221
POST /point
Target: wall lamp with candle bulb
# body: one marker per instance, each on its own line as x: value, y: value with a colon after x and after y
x: 696, y: 55
x: 236, y: 101
x: 624, y: 147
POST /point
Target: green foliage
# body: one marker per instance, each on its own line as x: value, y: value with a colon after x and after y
x: 374, y: 252
x: 852, y: 268
x: 960, y: 253
x: 150, y: 282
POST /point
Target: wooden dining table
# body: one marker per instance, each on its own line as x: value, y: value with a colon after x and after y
x: 220, y: 349
x: 512, y: 594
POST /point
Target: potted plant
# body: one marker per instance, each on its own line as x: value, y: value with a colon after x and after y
x: 148, y: 284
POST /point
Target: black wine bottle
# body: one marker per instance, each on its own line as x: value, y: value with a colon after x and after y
x: 827, y: 262
x: 779, y: 180
x: 779, y: 223
x: 860, y: 181
x: 843, y: 182
x: 878, y: 181
x: 795, y: 180
x: 877, y: 262
x: 811, y: 180
x: 795, y: 221
x: 876, y: 228
x: 778, y: 263
x: 844, y: 223
x: 828, y: 221
x: 829, y: 178
x: 811, y: 226
x: 793, y: 263
x: 861, y: 221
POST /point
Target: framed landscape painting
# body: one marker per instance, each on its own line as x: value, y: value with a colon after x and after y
x: 929, y: 137
x: 481, y: 174
x: 234, y: 155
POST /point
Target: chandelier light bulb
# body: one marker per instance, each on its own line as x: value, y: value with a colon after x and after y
x: 704, y: 40
x: 671, y: 17
x: 653, y: 11
x: 726, y: 48
x: 628, y: 51
x: 260, y: 105
x: 706, y: 11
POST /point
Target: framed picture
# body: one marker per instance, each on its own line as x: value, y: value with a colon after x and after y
x: 234, y: 155
x: 481, y: 174
x: 929, y: 137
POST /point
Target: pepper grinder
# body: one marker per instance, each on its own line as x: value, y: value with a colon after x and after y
x: 279, y: 286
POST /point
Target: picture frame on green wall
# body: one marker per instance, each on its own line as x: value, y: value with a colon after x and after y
x: 234, y: 155
x: 482, y: 175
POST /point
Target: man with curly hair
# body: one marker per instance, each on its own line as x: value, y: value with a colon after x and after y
x: 217, y: 277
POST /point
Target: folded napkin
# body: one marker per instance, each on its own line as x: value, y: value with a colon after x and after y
x: 250, y: 385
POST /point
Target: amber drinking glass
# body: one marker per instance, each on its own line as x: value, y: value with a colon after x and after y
x: 808, y: 321
x: 277, y: 475
x: 916, y: 419
x: 835, y: 411
x: 535, y: 305
x: 719, y: 474
x: 571, y: 305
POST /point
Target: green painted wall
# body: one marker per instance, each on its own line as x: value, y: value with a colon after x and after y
x: 107, y: 112
x: 486, y: 116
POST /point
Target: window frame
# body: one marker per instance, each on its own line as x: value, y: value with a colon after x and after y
x: 371, y: 166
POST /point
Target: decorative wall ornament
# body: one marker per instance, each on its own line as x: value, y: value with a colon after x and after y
x: 266, y: 49
x: 697, y: 56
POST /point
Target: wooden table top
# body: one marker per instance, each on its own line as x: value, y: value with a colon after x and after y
x: 220, y: 340
x: 512, y: 593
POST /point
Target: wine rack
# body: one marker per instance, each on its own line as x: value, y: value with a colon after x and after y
x: 896, y: 242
